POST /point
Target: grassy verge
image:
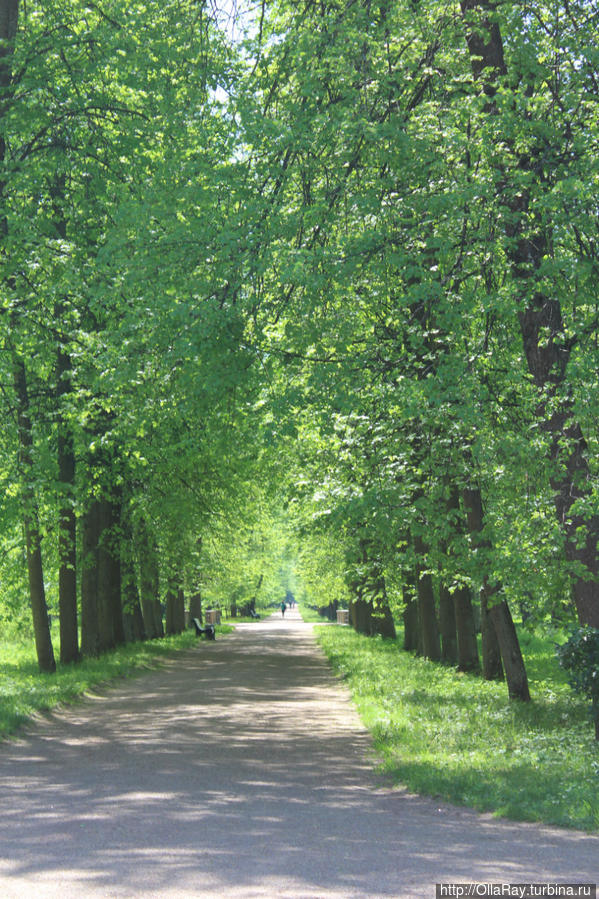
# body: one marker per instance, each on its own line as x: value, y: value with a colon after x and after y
x: 309, y: 614
x: 459, y: 738
x: 24, y: 691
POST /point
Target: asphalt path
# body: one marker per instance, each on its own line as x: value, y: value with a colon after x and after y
x: 240, y: 769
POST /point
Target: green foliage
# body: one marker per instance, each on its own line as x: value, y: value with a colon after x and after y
x: 579, y: 656
x: 452, y: 736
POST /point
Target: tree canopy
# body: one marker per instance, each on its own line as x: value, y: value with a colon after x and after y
x: 309, y: 301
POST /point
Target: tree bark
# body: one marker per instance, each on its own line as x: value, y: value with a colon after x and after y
x: 467, y: 646
x: 497, y: 613
x: 67, y: 523
x: 195, y: 607
x: 381, y: 619
x: 427, y: 614
x: 133, y: 622
x: 511, y: 655
x: 180, y: 611
x: 149, y: 582
x: 33, y: 540
x: 360, y: 616
x: 447, y: 626
x: 492, y: 667
x: 410, y: 619
x: 172, y: 607
x: 463, y: 612
x: 110, y: 616
x: 90, y: 639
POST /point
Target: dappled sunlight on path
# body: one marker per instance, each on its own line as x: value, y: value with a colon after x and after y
x: 240, y: 769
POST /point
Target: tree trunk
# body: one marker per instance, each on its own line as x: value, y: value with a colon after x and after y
x: 361, y: 616
x: 149, y: 582
x: 410, y: 619
x: 67, y: 525
x: 467, y: 646
x: 427, y: 615
x: 447, y: 626
x: 171, y: 607
x: 90, y: 535
x: 110, y: 616
x: 381, y: 618
x: 511, y: 655
x: 496, y: 614
x: 492, y: 667
x: 410, y: 614
x: 180, y: 611
x: 195, y: 607
x: 466, y: 649
x: 133, y: 622
x: 37, y: 594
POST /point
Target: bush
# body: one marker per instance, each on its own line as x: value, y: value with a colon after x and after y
x: 579, y: 657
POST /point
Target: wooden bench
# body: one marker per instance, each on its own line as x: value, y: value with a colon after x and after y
x: 207, y: 631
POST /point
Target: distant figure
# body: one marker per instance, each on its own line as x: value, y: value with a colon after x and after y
x: 283, y: 607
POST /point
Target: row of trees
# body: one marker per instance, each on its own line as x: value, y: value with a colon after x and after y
x: 434, y: 308
x: 125, y: 379
x: 346, y: 262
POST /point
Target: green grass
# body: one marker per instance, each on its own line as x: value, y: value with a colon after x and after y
x: 459, y: 738
x: 309, y: 614
x: 24, y: 691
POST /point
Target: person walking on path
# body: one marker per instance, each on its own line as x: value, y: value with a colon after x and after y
x: 283, y: 607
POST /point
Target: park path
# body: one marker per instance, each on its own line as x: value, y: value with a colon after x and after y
x: 240, y: 769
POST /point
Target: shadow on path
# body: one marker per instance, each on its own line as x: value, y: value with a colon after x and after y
x: 241, y: 769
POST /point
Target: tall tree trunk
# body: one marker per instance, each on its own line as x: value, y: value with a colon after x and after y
x: 427, y: 614
x: 360, y: 616
x: 546, y: 347
x: 447, y: 626
x: 149, y: 582
x: 180, y: 611
x: 116, y: 540
x: 195, y: 606
x: 33, y: 541
x: 492, y: 667
x: 465, y: 630
x: 171, y: 606
x: 511, y: 655
x: 463, y: 612
x: 90, y: 536
x: 110, y: 617
x: 382, y: 622
x: 497, y: 612
x: 67, y: 525
x: 133, y: 622
x: 410, y: 619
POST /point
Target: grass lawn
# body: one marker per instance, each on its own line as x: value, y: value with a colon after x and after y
x: 24, y: 691
x: 460, y: 738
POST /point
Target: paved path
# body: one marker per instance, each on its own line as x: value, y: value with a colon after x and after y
x: 240, y: 770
